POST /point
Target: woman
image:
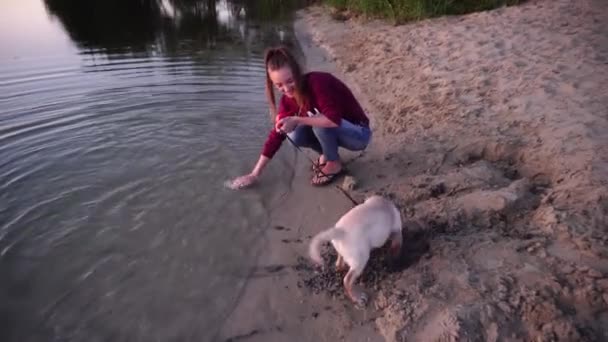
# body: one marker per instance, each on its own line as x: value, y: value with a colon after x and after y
x: 316, y: 110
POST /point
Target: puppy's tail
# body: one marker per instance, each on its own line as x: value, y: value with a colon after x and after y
x: 315, y: 244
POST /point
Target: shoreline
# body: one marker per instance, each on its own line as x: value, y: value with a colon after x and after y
x: 277, y: 303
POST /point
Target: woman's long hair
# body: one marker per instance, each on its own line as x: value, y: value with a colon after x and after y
x: 276, y: 58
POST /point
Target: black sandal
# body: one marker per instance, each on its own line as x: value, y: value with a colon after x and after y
x: 325, y: 178
x: 316, y: 166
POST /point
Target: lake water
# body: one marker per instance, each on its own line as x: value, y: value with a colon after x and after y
x: 119, y: 122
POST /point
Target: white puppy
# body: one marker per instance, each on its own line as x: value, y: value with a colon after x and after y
x: 365, y: 227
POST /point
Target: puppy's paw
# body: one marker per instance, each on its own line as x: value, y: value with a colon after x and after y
x: 362, y: 300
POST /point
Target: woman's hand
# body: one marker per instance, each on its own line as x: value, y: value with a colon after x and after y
x: 287, y: 124
x: 243, y: 181
x: 251, y: 178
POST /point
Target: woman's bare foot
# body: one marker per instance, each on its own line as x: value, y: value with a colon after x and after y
x: 316, y: 166
x: 322, y: 160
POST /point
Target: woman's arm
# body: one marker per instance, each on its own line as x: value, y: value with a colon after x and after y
x: 272, y: 144
x: 260, y: 165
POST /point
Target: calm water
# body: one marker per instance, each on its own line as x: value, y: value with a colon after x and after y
x: 119, y: 121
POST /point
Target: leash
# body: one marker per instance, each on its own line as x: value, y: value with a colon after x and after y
x: 320, y: 171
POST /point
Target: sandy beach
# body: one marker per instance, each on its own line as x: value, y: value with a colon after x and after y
x: 491, y: 134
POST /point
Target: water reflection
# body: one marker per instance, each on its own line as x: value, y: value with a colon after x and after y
x: 111, y: 170
x: 167, y: 26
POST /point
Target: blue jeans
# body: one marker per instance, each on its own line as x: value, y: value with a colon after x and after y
x: 326, y: 141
